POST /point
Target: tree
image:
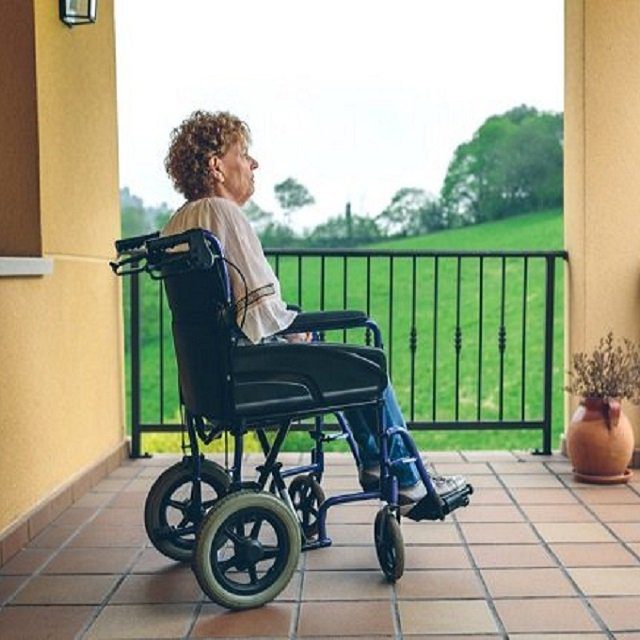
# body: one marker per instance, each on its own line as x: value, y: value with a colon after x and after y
x: 344, y: 231
x: 512, y: 164
x: 291, y: 196
x: 411, y: 211
x: 258, y: 217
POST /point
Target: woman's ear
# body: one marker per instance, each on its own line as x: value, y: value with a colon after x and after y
x: 214, y: 167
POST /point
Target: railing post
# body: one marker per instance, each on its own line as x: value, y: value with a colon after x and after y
x: 135, y: 365
x: 548, y: 354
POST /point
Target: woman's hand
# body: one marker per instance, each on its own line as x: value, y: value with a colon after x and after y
x: 299, y: 337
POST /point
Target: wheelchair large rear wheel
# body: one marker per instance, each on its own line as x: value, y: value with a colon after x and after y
x: 307, y: 496
x: 172, y: 516
x: 247, y: 550
x: 389, y: 544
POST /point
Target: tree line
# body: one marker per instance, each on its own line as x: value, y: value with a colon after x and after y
x: 511, y: 165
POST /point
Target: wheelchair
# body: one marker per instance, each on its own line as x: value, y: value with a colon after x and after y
x: 243, y: 537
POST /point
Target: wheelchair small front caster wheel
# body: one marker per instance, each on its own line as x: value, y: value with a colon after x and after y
x: 307, y: 496
x: 172, y: 515
x: 247, y: 549
x: 389, y: 544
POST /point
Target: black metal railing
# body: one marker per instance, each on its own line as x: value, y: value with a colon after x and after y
x: 470, y: 336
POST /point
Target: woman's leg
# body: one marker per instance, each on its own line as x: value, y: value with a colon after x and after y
x: 362, y: 423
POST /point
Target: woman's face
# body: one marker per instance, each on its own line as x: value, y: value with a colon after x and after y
x: 233, y: 173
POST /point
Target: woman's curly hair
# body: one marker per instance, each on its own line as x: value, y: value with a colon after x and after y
x: 193, y: 143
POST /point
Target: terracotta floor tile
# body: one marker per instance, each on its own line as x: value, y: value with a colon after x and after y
x: 557, y: 615
x: 511, y: 468
x: 440, y: 584
x: 129, y: 500
x: 607, y: 495
x: 628, y: 636
x: 557, y: 513
x: 25, y: 562
x: 626, y: 531
x: 96, y: 536
x: 511, y: 555
x: 543, y: 496
x: 620, y: 581
x: 519, y: 583
x: 490, y: 456
x: 445, y: 456
x: 463, y: 469
x: 617, y: 512
x: 84, y: 561
x: 176, y: 586
x: 119, y: 517
x: 36, y: 623
x: 446, y: 617
x: 8, y: 585
x: 367, y: 619
x: 65, y: 590
x: 498, y: 533
x: 491, y: 513
x: 75, y: 516
x: 351, y: 534
x: 573, y: 532
x: 430, y: 533
x: 142, y: 621
x: 352, y: 514
x: 139, y: 485
x: 491, y: 496
x: 272, y: 620
x: 52, y: 537
x: 435, y: 557
x: 602, y: 554
x: 519, y: 481
x: 93, y: 500
x: 619, y: 614
x: 558, y: 636
x: 292, y: 591
x: 110, y: 486
x: 484, y: 482
x: 342, y: 558
x: 345, y: 585
x: 152, y: 561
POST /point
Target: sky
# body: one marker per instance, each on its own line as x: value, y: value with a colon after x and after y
x: 355, y: 99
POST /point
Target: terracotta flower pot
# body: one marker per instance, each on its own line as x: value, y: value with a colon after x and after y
x: 600, y: 442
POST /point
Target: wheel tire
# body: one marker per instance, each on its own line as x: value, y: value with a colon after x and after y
x: 307, y: 496
x: 163, y: 519
x: 223, y: 529
x: 389, y: 544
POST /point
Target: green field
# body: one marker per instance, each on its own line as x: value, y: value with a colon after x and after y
x: 391, y: 302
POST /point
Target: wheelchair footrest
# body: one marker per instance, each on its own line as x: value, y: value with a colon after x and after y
x: 436, y: 509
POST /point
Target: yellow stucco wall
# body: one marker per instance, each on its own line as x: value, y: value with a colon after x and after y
x: 60, y: 335
x: 602, y: 169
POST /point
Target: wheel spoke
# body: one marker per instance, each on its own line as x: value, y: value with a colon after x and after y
x: 207, y: 504
x: 255, y: 529
x: 184, y: 522
x: 227, y: 564
x: 176, y: 504
x: 232, y: 535
x: 253, y: 574
x: 269, y: 552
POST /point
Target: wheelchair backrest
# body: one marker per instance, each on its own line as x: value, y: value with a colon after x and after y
x: 196, y: 282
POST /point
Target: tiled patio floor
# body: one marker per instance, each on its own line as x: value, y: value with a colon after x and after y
x: 536, y: 555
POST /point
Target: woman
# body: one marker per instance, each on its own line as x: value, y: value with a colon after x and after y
x: 209, y: 163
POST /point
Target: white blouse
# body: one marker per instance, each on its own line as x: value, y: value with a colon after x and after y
x: 266, y: 312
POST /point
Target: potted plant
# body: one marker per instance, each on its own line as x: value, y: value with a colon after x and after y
x: 600, y: 437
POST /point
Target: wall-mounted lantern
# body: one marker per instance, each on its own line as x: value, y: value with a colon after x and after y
x: 74, y: 12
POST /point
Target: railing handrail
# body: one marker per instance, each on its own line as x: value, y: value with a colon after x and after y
x: 419, y: 253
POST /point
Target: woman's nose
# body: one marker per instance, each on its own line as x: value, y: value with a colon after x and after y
x: 254, y: 163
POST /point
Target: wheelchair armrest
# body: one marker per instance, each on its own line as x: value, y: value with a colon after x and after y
x: 326, y: 321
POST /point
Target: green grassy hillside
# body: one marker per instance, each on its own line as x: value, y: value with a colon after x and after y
x: 390, y: 300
